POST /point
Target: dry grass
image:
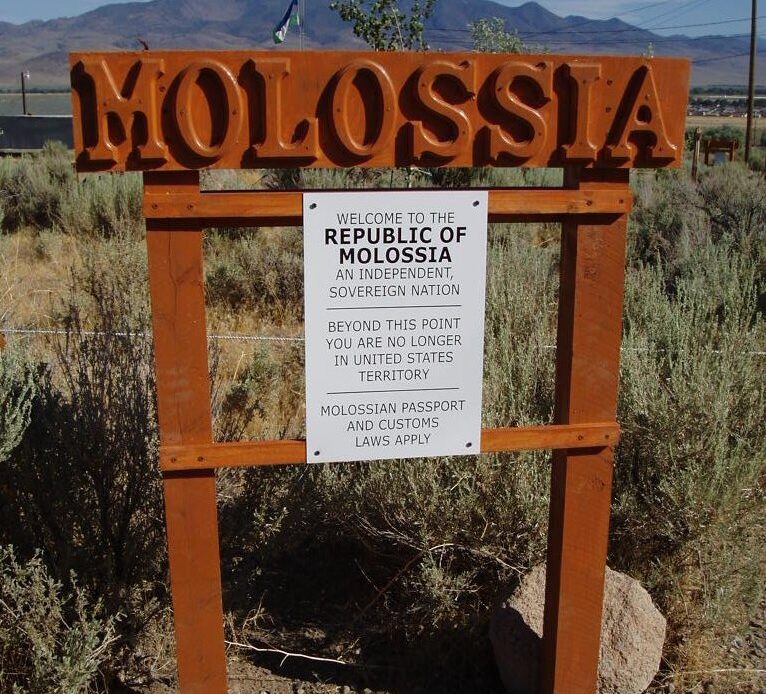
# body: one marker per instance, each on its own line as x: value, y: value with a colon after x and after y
x: 714, y: 121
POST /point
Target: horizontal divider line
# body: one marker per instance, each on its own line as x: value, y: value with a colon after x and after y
x: 376, y: 308
x: 394, y: 390
x: 287, y: 452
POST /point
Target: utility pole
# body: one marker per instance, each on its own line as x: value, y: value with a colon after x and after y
x: 751, y: 83
x: 24, y: 78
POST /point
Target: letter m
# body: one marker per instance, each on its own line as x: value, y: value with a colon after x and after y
x: 136, y: 98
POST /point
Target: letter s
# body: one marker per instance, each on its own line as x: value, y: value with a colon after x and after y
x: 500, y: 142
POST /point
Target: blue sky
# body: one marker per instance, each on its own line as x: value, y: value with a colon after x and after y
x: 646, y: 13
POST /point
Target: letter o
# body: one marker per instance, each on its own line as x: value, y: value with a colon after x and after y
x: 232, y: 113
x: 340, y: 113
x: 447, y: 235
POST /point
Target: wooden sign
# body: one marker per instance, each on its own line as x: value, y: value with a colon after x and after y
x: 171, y: 113
x: 394, y: 297
x: 171, y: 110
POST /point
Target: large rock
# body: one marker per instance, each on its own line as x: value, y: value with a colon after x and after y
x: 632, y: 635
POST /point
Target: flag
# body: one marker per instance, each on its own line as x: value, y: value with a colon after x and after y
x: 292, y: 16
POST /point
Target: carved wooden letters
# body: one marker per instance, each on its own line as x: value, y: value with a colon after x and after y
x: 179, y: 110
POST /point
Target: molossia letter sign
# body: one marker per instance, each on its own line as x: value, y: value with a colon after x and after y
x: 394, y: 297
x: 172, y: 110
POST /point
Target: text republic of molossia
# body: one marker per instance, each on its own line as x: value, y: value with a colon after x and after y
x: 392, y: 245
x: 389, y: 246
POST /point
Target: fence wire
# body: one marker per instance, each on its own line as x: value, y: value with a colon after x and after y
x: 237, y: 337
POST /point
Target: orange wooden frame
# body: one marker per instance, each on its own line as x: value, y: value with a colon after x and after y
x: 173, y: 113
x: 594, y: 211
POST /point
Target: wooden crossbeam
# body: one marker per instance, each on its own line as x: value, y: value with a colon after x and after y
x: 275, y: 208
x: 285, y: 452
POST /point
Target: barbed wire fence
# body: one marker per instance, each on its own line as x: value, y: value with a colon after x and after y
x: 238, y: 337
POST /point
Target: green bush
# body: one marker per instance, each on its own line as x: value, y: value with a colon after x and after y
x: 41, y: 191
x: 263, y: 272
x: 16, y: 393
x: 693, y: 395
x: 692, y: 457
x: 734, y: 198
x: 33, y: 189
x: 105, y: 205
x: 51, y: 642
x: 442, y: 539
x: 83, y: 484
x: 667, y: 219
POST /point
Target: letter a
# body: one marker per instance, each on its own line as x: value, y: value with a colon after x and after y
x: 640, y: 113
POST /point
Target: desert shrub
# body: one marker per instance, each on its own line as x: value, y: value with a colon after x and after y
x: 263, y: 272
x: 16, y: 392
x: 692, y: 457
x: 105, y: 205
x: 42, y: 191
x: 693, y: 394
x: 734, y: 198
x: 725, y: 132
x: 341, y: 179
x: 51, y: 641
x: 33, y: 189
x: 83, y: 483
x: 667, y: 219
x: 268, y: 388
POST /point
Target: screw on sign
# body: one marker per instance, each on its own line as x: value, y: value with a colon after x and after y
x: 172, y: 113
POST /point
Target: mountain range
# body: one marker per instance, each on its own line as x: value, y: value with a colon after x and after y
x: 42, y: 46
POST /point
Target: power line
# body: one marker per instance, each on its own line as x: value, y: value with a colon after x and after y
x: 593, y: 21
x: 569, y: 30
x: 673, y: 26
x: 701, y: 24
x: 725, y: 57
x: 644, y: 40
x: 675, y: 11
x: 643, y: 8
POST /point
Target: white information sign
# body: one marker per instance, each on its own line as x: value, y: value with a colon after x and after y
x: 394, y: 287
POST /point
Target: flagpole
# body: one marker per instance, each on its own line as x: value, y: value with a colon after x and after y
x: 301, y: 19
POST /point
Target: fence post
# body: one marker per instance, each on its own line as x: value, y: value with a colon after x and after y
x: 176, y: 282
x: 696, y: 157
x: 587, y: 374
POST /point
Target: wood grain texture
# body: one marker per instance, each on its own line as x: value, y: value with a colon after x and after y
x: 587, y: 373
x: 183, y: 401
x: 255, y: 453
x: 274, y: 208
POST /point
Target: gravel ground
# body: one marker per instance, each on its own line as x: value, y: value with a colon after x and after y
x: 747, y: 651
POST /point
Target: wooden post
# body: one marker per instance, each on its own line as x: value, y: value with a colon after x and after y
x: 587, y: 374
x: 696, y: 155
x: 751, y: 82
x: 183, y: 400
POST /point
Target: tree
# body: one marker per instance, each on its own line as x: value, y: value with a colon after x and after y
x: 383, y: 25
x: 490, y: 36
